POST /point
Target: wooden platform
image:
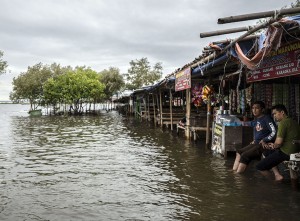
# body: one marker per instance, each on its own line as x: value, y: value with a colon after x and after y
x: 165, y: 118
x: 194, y: 130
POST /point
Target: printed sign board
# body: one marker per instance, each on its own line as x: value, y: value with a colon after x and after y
x: 183, y: 79
x: 281, y: 63
x: 217, y: 139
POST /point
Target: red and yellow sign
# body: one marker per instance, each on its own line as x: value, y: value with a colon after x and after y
x: 183, y: 79
x: 281, y: 63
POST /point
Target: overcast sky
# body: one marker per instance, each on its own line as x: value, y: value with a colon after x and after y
x: 110, y: 33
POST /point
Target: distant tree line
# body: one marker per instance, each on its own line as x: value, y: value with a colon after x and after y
x: 54, y: 85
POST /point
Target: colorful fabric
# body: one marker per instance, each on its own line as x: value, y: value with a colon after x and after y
x: 272, y: 42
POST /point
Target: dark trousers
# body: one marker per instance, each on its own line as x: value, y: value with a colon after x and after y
x: 272, y: 159
x: 250, y: 152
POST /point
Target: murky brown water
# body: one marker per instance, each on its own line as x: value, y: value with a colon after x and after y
x: 112, y: 168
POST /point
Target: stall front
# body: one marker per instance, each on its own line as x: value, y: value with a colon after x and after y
x: 269, y: 71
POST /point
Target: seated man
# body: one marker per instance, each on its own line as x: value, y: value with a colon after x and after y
x: 280, y: 150
x: 182, y: 122
x: 264, y: 132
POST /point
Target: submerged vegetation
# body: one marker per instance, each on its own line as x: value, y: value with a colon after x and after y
x: 53, y: 85
x: 68, y: 90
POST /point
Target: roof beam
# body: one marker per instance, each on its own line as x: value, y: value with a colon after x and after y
x: 258, y: 15
x: 223, y: 32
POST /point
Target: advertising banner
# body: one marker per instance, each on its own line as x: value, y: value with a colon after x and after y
x: 281, y: 63
x: 183, y: 79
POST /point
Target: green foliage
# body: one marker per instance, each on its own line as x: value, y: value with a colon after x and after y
x: 74, y: 87
x: 3, y: 64
x: 113, y: 81
x: 55, y: 85
x: 29, y: 84
x: 140, y: 74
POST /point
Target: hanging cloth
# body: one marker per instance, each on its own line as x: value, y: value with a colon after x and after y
x: 272, y: 42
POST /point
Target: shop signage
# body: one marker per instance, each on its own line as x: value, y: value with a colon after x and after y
x: 183, y: 79
x: 281, y: 63
x: 217, y: 139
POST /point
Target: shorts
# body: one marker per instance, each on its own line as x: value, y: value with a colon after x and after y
x: 250, y: 152
x: 272, y: 159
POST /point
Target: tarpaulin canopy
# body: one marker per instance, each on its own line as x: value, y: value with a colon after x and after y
x: 245, y: 46
x: 267, y: 41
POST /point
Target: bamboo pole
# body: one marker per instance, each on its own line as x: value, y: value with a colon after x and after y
x: 224, y: 31
x: 213, y: 55
x: 157, y: 101
x: 130, y: 105
x: 148, y: 112
x: 154, y: 112
x: 146, y: 107
x: 208, y: 119
x: 205, y: 59
x: 188, y: 113
x: 258, y: 15
x: 254, y: 29
x: 171, y: 111
x: 160, y: 107
x: 292, y: 30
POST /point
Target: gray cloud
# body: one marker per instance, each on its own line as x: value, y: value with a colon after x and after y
x: 100, y: 33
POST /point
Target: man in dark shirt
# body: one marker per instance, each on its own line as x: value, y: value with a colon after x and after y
x: 264, y: 132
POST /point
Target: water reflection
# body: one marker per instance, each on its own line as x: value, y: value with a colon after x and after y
x: 112, y: 168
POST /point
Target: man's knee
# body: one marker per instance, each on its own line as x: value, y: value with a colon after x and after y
x: 244, y: 159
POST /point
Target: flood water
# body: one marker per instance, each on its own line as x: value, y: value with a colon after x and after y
x: 109, y: 167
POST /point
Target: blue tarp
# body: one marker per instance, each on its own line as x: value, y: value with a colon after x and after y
x: 168, y: 81
x: 201, y: 68
x: 245, y: 46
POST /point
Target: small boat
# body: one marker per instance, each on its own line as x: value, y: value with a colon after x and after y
x: 37, y: 112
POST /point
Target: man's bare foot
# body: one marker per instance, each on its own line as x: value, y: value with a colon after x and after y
x: 278, y: 177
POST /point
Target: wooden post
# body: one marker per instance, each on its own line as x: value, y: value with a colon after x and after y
x: 171, y: 111
x: 160, y: 107
x: 246, y: 17
x: 145, y: 107
x: 208, y: 121
x: 130, y: 105
x: 224, y: 31
x: 188, y: 113
x: 148, y: 112
x: 154, y: 112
